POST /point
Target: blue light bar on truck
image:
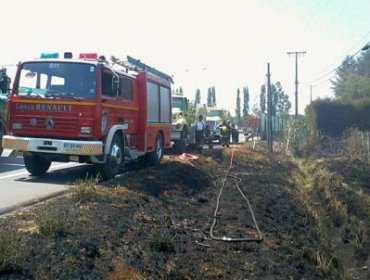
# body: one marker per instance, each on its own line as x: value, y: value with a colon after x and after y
x: 49, y: 55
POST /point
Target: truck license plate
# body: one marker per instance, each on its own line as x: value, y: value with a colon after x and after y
x: 72, y: 146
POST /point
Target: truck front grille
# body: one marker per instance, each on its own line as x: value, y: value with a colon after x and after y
x: 40, y: 126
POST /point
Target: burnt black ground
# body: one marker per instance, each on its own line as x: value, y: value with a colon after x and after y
x: 153, y: 223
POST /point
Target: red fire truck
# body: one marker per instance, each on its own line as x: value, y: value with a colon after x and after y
x: 89, y: 111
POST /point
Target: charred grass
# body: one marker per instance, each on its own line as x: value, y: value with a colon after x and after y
x: 154, y: 223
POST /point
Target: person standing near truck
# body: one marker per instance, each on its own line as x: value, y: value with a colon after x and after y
x: 234, y: 134
x: 199, y: 133
x: 225, y: 134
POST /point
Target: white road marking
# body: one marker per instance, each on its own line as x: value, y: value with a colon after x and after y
x: 25, y: 172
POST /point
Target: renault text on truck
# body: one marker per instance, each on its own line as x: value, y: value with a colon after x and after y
x: 88, y: 110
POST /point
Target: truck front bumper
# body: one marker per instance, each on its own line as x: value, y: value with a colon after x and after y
x: 56, y: 146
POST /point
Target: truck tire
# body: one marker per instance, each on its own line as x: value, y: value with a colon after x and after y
x: 35, y: 164
x: 181, y: 144
x: 155, y: 157
x: 115, y: 159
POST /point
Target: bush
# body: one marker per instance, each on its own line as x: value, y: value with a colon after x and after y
x: 12, y: 249
x: 51, y: 224
x: 86, y: 190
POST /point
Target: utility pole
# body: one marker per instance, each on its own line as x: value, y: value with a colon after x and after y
x: 296, y: 78
x: 269, y: 107
x: 311, y: 93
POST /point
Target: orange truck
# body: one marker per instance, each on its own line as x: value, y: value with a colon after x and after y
x: 88, y: 110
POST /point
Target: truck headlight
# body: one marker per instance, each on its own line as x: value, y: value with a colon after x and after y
x: 176, y: 126
x: 85, y: 129
x: 17, y: 126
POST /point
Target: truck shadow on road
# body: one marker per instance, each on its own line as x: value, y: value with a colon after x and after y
x: 66, y: 176
x: 8, y: 164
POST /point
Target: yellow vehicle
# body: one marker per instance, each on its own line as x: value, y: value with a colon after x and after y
x: 183, y: 118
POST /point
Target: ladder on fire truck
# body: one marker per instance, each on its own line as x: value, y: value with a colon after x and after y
x: 139, y: 66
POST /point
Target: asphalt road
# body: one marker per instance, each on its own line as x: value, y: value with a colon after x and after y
x: 18, y: 188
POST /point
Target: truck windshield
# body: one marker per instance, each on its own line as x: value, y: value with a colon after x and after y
x: 214, y: 113
x: 57, y: 80
x: 212, y: 124
x: 178, y: 102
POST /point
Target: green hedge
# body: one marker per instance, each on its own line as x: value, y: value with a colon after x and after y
x: 333, y: 117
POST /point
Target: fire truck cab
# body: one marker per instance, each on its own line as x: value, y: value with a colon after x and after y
x: 89, y: 111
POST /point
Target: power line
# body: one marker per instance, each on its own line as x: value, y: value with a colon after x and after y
x: 313, y: 19
x: 367, y: 46
x: 334, y: 69
x: 338, y: 18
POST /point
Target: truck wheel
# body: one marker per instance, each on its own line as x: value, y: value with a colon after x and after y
x: 35, y: 164
x: 154, y: 158
x: 115, y: 159
x: 181, y: 144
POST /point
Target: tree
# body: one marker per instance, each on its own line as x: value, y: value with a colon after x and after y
x: 237, y: 110
x: 352, y: 81
x: 197, y: 96
x: 209, y: 97
x: 283, y: 104
x: 256, y: 109
x: 213, y: 96
x: 279, y: 100
x: 246, y: 101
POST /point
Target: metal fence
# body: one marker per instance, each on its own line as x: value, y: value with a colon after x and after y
x: 278, y: 126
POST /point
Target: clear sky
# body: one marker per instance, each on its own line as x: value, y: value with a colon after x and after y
x: 203, y: 43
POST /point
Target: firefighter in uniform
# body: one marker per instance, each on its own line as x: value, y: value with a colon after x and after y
x: 225, y: 133
x: 199, y: 133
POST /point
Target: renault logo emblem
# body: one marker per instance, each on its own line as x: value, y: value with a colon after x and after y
x: 49, y: 123
x: 33, y: 121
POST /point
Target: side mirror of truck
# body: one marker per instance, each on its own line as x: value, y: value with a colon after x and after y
x: 4, y: 84
x: 115, y: 85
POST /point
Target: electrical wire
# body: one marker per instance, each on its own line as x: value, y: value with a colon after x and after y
x: 317, y: 11
x: 332, y: 71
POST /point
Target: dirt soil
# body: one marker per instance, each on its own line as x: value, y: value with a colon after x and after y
x: 154, y: 223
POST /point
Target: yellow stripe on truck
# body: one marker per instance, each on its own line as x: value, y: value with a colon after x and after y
x: 15, y: 144
x: 31, y: 144
x: 55, y: 102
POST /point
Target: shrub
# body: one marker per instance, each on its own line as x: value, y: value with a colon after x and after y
x: 51, y: 224
x: 12, y: 249
x: 86, y: 190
